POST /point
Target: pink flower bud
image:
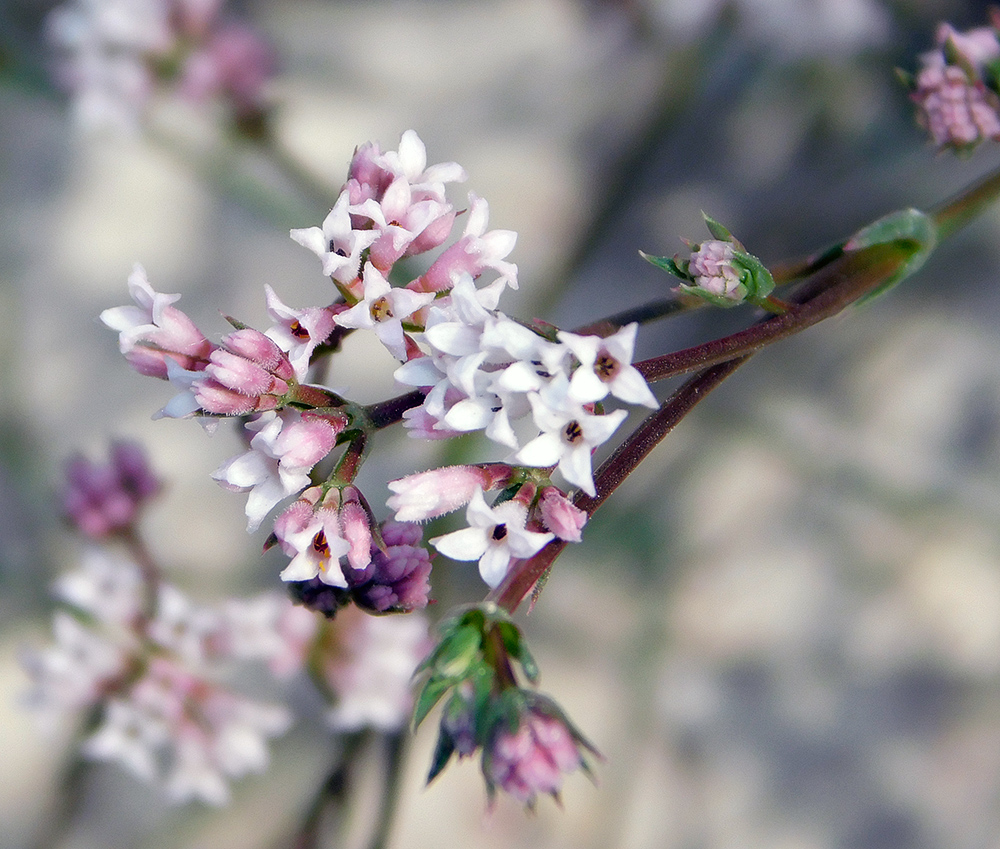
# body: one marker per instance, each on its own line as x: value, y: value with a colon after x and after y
x: 356, y: 527
x: 243, y: 375
x: 561, y: 516
x: 532, y: 760
x: 259, y: 349
x: 433, y: 493
x: 215, y: 398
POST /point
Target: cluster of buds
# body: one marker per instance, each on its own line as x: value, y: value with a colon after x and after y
x: 720, y: 270
x: 104, y: 499
x: 527, y: 743
x: 113, y: 57
x: 956, y: 88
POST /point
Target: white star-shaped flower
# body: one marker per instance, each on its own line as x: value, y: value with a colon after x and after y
x: 569, y: 434
x: 606, y: 367
x: 495, y: 536
x: 383, y: 310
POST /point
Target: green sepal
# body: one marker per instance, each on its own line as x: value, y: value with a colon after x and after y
x: 443, y: 751
x: 667, y: 264
x: 913, y: 231
x: 517, y: 649
x: 719, y: 232
x: 430, y: 695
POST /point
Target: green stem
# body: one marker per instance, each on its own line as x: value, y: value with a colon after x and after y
x: 968, y: 204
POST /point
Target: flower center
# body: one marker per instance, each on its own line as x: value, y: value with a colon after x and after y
x: 381, y: 309
x: 298, y: 331
x: 499, y: 532
x: 573, y: 433
x: 606, y: 367
x: 320, y: 545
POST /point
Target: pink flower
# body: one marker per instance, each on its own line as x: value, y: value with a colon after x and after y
x: 533, y: 759
x: 561, y: 516
x: 310, y: 532
x: 153, y: 331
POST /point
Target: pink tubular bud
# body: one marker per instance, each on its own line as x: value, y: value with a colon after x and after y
x: 356, y: 527
x: 256, y: 347
x: 561, y: 516
x: 242, y: 375
x: 304, y: 443
x: 433, y: 493
x: 215, y: 398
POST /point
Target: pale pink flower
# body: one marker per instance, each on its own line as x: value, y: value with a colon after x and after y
x: 476, y: 251
x: 152, y: 333
x: 282, y: 452
x: 298, y: 332
x: 337, y: 243
x: 372, y: 676
x: 309, y: 531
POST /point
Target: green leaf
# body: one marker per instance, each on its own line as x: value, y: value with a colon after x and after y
x: 913, y: 231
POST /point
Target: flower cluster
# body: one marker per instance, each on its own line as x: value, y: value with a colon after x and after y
x: 102, y: 499
x: 148, y: 664
x: 538, y: 392
x: 956, y: 88
x: 154, y: 676
x: 112, y: 57
x: 719, y: 270
x: 526, y: 742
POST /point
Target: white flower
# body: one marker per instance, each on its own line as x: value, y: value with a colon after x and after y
x: 495, y: 536
x: 383, y: 310
x: 605, y: 366
x: 274, y: 467
x: 72, y: 673
x: 182, y: 627
x: 105, y: 586
x: 130, y: 736
x: 569, y: 434
x: 337, y: 243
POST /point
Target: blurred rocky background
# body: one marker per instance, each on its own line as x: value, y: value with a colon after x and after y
x: 784, y: 630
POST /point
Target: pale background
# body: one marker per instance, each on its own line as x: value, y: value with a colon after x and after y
x: 784, y: 632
